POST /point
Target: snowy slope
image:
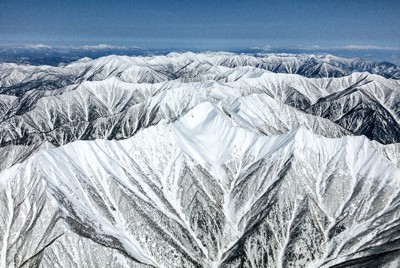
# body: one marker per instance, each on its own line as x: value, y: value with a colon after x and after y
x: 114, y: 109
x: 203, y: 191
x: 200, y: 160
x: 203, y: 66
x: 361, y: 103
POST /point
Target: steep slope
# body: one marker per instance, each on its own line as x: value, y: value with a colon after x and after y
x: 31, y: 83
x: 15, y: 79
x: 200, y: 160
x: 362, y: 103
x: 113, y: 97
x: 204, y: 191
x: 113, y: 109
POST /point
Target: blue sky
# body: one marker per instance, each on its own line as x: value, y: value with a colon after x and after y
x: 202, y: 24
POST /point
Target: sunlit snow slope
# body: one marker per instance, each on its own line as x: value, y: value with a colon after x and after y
x: 200, y: 160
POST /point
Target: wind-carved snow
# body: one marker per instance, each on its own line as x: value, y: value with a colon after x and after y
x: 199, y: 160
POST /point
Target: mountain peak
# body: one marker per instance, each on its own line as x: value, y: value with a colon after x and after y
x: 200, y: 160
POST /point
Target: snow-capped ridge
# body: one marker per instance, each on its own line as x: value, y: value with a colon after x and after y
x: 86, y: 174
x: 200, y: 160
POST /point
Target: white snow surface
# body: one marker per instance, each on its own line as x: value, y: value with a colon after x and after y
x: 214, y: 168
x: 124, y: 191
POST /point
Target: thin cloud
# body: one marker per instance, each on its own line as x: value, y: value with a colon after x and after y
x: 304, y: 47
x: 100, y: 46
x: 367, y: 47
x: 106, y: 46
x: 38, y: 46
x: 265, y: 48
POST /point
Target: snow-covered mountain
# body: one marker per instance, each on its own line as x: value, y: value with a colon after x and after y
x: 15, y: 78
x: 114, y: 97
x: 200, y: 160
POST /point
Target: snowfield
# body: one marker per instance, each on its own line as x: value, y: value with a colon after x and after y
x: 200, y: 160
